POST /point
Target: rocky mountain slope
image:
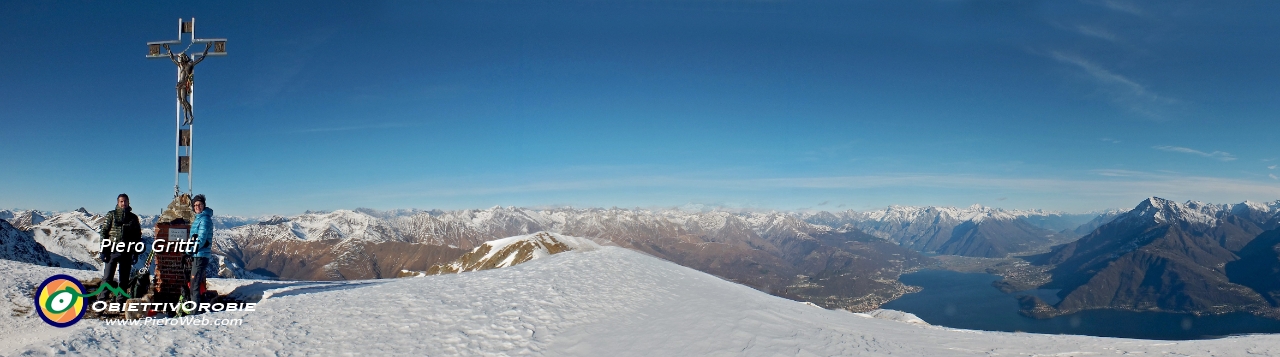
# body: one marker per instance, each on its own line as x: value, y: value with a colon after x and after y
x: 1259, y: 266
x: 312, y: 251
x: 1167, y: 256
x: 18, y: 246
x: 24, y: 220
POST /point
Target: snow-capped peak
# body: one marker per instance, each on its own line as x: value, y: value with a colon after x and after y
x: 510, y: 251
x: 345, y: 224
x: 1263, y: 207
x: 974, y: 213
x: 24, y: 220
x: 1162, y: 211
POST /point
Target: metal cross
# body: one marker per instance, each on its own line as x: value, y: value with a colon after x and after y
x: 185, y: 89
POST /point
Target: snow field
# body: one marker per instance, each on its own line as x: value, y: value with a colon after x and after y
x: 604, y: 302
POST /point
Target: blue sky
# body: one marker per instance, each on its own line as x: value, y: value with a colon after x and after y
x: 833, y: 105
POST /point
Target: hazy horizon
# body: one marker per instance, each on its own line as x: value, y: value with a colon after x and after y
x: 689, y: 207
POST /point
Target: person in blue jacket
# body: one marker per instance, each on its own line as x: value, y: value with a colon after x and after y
x: 202, y: 232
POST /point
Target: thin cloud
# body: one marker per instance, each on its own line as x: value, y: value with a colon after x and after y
x: 1052, y: 192
x: 1096, y: 32
x: 1118, y: 173
x: 1135, y: 183
x: 357, y: 127
x: 1120, y: 6
x: 1273, y: 176
x: 1125, y: 92
x: 1273, y: 167
x: 1109, y: 140
x: 1216, y: 155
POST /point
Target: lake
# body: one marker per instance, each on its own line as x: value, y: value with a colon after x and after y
x: 968, y: 301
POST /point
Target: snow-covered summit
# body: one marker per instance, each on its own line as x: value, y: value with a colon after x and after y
x: 72, y: 239
x: 974, y: 213
x: 24, y: 220
x: 505, y: 252
x: 345, y: 224
x: 605, y: 302
x: 1160, y: 211
x: 1265, y: 208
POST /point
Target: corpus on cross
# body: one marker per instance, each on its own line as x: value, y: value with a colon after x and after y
x: 186, y: 77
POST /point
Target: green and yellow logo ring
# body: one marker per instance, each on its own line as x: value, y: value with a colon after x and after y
x: 60, y: 300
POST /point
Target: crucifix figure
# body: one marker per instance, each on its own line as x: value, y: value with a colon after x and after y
x: 186, y: 76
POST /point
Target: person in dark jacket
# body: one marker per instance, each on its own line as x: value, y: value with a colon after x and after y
x: 121, y: 226
x: 202, y: 231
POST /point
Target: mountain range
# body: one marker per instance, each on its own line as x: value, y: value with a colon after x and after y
x: 1161, y: 255
x: 1168, y: 256
x: 827, y: 258
x: 848, y: 260
x: 975, y: 231
x: 766, y: 251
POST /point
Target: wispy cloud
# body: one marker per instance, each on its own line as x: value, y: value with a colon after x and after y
x: 1273, y: 167
x: 1096, y: 32
x: 1120, y: 6
x: 357, y: 127
x: 1216, y: 155
x: 1124, y: 91
x: 1131, y: 184
x: 1118, y: 173
x: 1273, y: 176
x: 1104, y: 188
x: 1109, y: 140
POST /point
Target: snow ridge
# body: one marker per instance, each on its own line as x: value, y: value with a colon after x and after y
x: 72, y: 239
x: 505, y: 252
x: 1163, y: 211
x: 975, y: 213
x: 17, y: 245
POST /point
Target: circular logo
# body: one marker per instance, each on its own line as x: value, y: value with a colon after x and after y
x: 60, y: 300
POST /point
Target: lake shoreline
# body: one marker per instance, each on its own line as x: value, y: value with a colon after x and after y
x: 971, y: 301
